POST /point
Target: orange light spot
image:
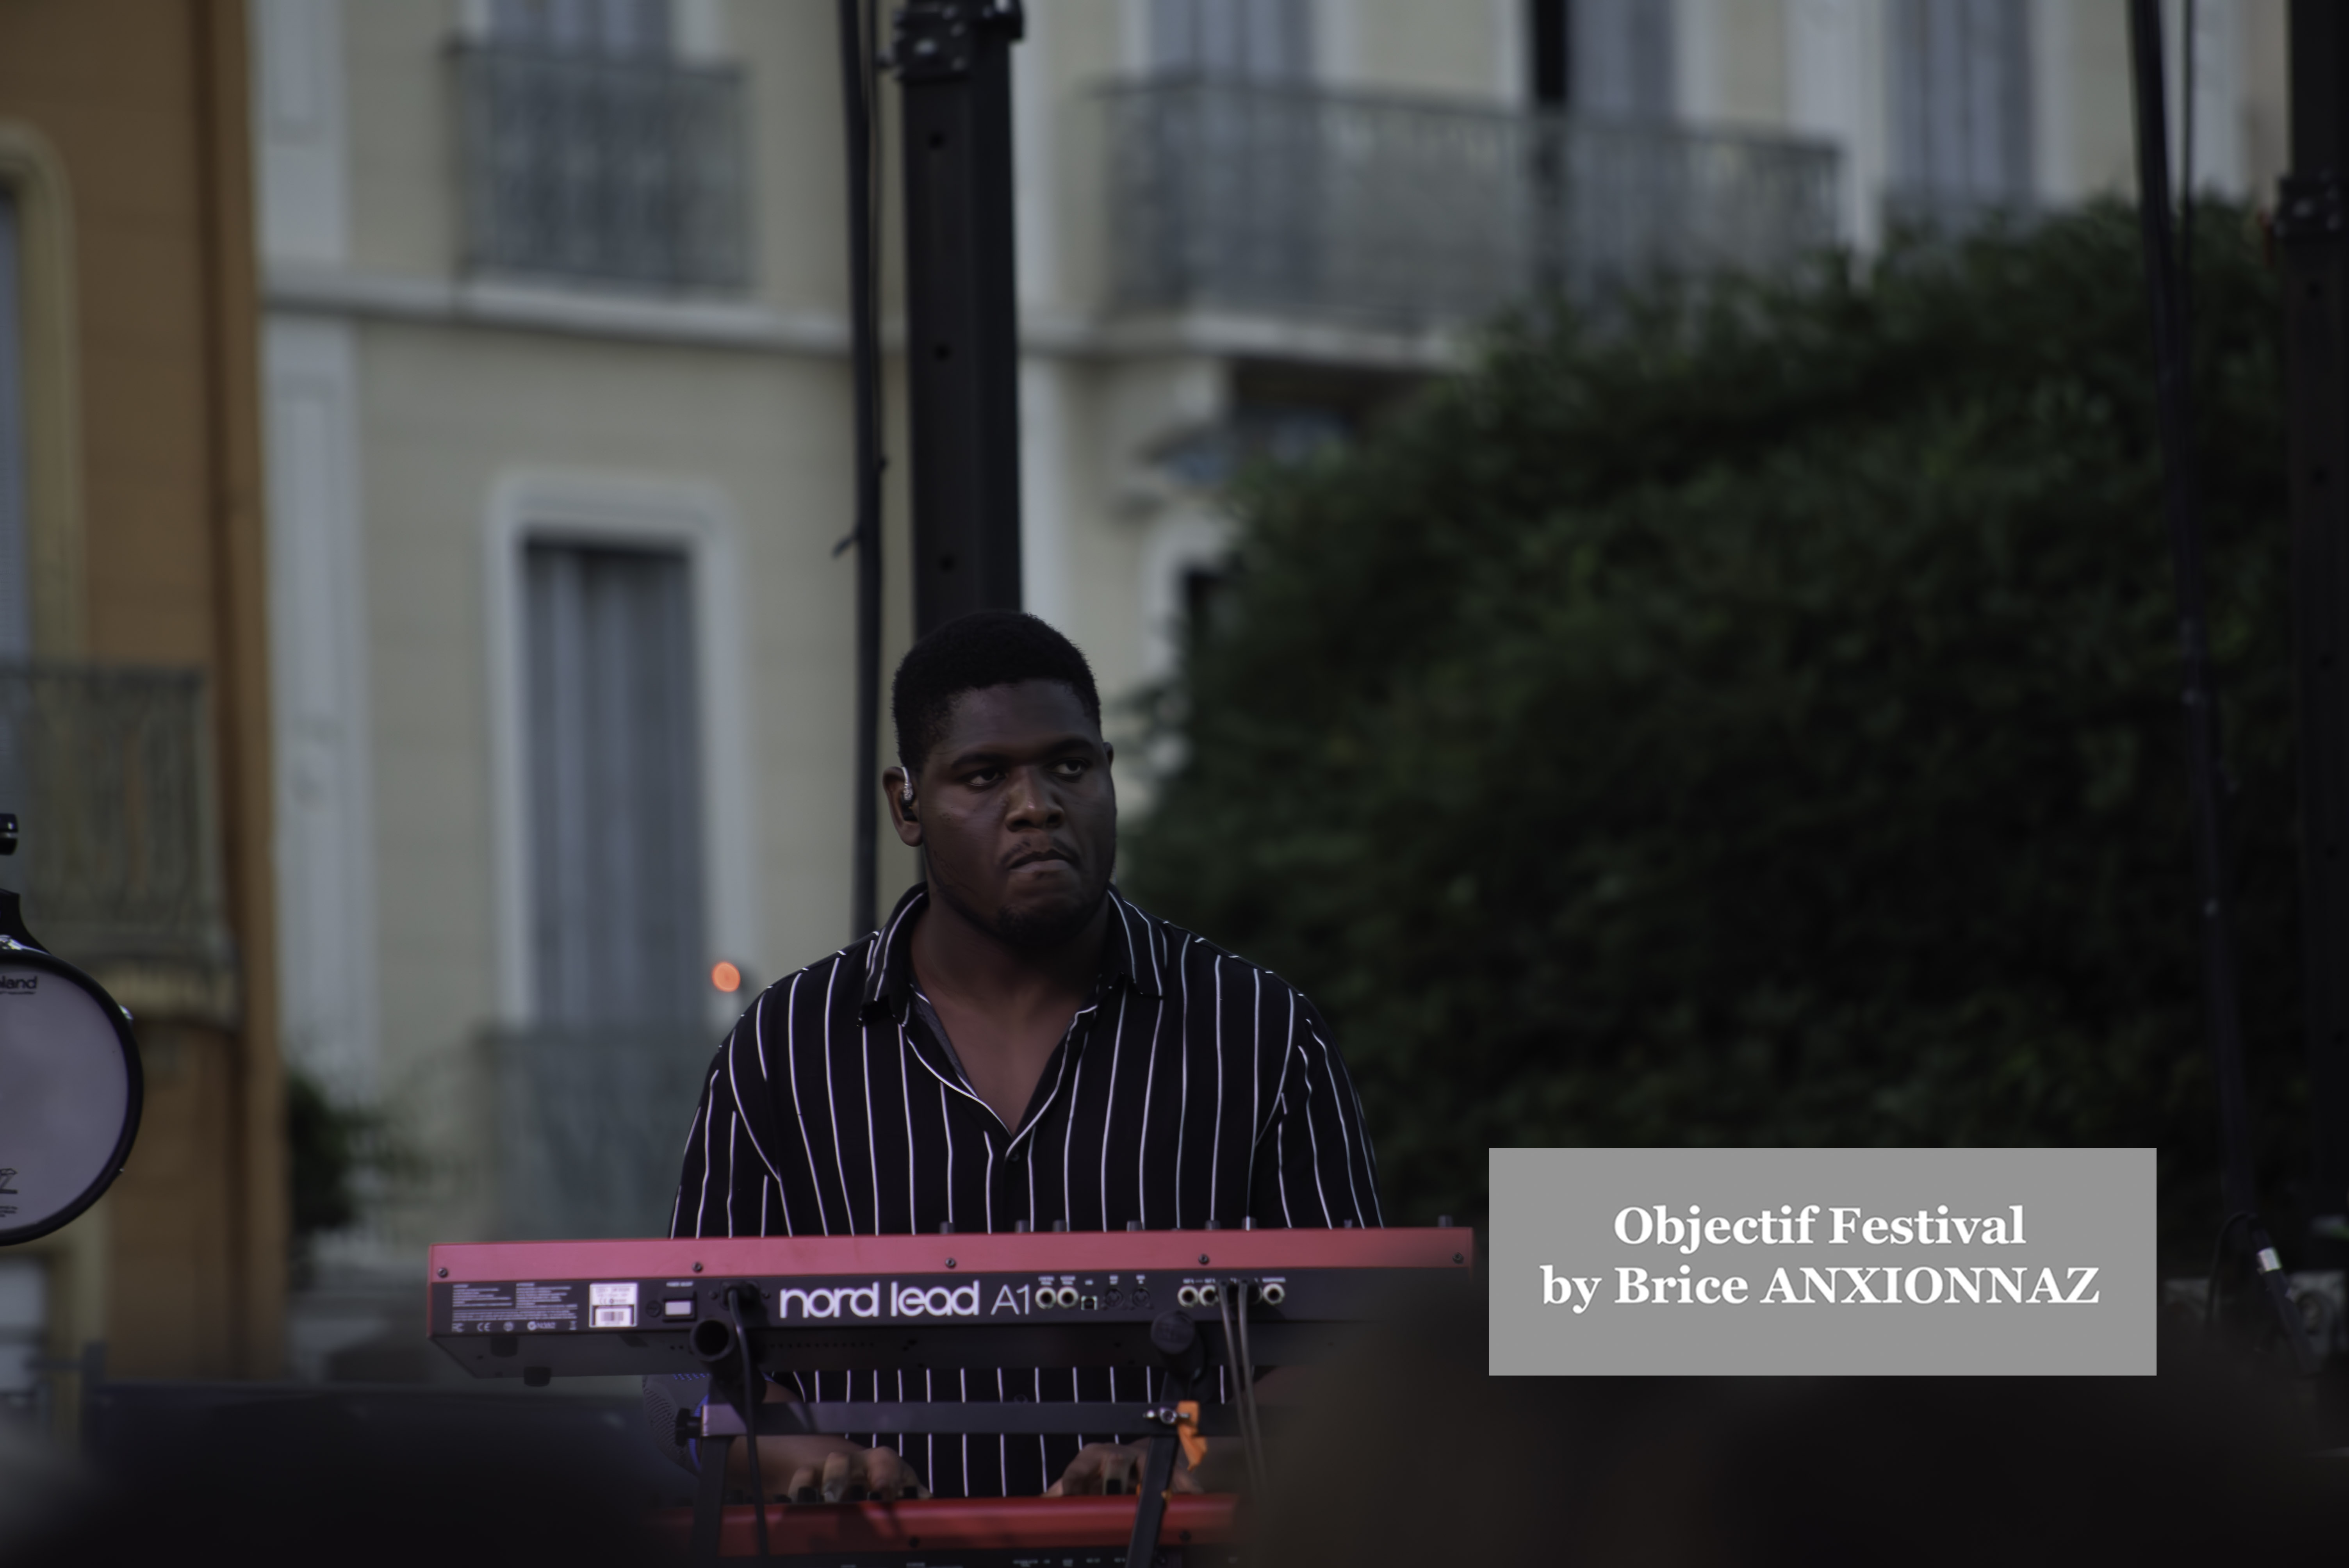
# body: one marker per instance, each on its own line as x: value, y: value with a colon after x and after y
x: 726, y: 977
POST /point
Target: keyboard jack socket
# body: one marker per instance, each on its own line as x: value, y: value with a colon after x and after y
x: 1209, y: 1293
x: 1188, y: 1295
x: 1273, y: 1294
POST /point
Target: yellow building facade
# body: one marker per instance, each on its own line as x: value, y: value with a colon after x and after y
x: 133, y: 669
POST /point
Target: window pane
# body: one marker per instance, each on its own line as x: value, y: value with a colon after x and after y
x: 628, y: 28
x: 1232, y: 40
x: 1621, y: 58
x: 615, y: 835
x: 1960, y: 82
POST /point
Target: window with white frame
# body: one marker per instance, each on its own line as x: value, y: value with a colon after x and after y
x: 618, y: 28
x: 1233, y: 40
x: 613, y: 781
x: 593, y: 154
x: 1611, y: 59
x: 1958, y: 82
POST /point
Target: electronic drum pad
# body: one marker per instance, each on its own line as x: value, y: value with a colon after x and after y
x: 69, y: 1091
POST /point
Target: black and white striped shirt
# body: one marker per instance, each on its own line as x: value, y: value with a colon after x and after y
x: 1192, y: 1086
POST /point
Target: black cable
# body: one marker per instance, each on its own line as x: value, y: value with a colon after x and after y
x: 858, y: 123
x: 1241, y: 1373
x: 1236, y: 1375
x: 1255, y: 1412
x: 2186, y: 184
x: 746, y: 1405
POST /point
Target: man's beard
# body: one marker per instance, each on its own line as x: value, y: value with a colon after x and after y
x: 1034, y: 929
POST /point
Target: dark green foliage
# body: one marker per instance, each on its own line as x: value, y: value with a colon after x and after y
x: 327, y: 1146
x: 1758, y: 724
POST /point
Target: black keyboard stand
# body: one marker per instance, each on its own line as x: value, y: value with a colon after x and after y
x: 1173, y: 1338
x: 720, y: 1427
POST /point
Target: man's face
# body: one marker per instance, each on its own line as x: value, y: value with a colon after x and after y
x: 1015, y: 813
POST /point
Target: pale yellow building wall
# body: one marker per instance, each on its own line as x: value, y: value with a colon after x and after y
x: 1743, y: 47
x: 447, y: 409
x: 795, y: 151
x: 405, y: 153
x: 1407, y: 46
x: 448, y: 414
x: 122, y: 131
x: 402, y: 116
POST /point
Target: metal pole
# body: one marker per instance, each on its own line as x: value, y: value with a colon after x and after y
x: 2314, y: 252
x: 2218, y: 973
x: 954, y: 66
x: 856, y: 90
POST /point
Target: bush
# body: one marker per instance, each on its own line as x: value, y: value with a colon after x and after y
x: 1755, y: 722
x: 331, y: 1148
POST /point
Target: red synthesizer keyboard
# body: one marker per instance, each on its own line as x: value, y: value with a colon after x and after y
x: 541, y: 1309
x: 1180, y: 1301
x: 998, y: 1532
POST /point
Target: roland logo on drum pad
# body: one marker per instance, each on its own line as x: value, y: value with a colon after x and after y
x: 69, y: 1080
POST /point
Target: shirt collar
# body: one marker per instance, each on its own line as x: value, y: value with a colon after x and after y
x: 1134, y: 955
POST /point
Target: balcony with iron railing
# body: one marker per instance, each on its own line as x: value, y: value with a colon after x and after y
x: 107, y: 771
x: 611, y: 170
x: 1404, y: 214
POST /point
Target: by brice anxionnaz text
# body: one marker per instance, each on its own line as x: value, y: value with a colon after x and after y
x: 1907, y: 1282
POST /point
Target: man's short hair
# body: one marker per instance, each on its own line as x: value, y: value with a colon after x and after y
x: 970, y: 653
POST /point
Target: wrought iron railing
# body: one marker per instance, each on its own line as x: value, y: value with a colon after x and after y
x: 1296, y: 201
x: 108, y: 772
x: 602, y: 170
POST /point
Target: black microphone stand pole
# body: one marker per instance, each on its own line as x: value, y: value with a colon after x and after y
x: 953, y: 60
x: 2242, y: 1224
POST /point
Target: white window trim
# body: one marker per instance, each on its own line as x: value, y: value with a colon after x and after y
x: 620, y: 511
x: 1833, y: 93
x: 301, y: 131
x: 1333, y: 47
x: 1133, y: 37
x: 328, y: 997
x: 1510, y: 25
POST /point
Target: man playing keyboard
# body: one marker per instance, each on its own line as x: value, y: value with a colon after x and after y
x: 1016, y: 1045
